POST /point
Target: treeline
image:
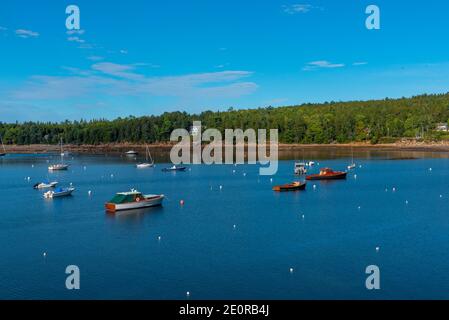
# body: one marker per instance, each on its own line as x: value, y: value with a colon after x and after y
x: 334, y: 122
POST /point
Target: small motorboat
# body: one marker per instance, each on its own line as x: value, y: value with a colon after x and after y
x: 58, y: 167
x: 174, y: 168
x: 328, y: 174
x: 45, y: 185
x: 310, y: 163
x: 300, y: 168
x: 294, y: 186
x: 133, y: 200
x: 58, y: 193
x: 131, y: 153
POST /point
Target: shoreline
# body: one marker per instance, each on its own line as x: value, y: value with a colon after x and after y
x: 116, y: 148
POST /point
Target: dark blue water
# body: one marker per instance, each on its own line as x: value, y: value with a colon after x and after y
x: 200, y: 251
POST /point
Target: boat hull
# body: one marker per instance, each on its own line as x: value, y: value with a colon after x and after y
x: 290, y: 187
x: 145, y: 165
x: 2, y: 154
x: 52, y: 194
x: 333, y: 176
x: 172, y: 169
x: 58, y: 167
x: 150, y: 201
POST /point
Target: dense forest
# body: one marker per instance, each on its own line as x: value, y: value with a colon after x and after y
x: 333, y: 122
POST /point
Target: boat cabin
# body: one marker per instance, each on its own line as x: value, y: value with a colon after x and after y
x: 126, y: 197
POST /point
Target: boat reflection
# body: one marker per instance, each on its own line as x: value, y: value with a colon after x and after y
x: 135, y: 215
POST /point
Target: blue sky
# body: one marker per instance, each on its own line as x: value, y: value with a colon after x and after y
x: 141, y: 57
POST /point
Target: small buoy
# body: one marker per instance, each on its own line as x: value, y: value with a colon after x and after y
x: 28, y: 178
x: 112, y: 176
x: 291, y: 270
x: 244, y: 174
x: 221, y: 187
x: 394, y: 189
x: 44, y: 254
x: 360, y: 166
x: 71, y: 184
x: 359, y: 207
x: 233, y: 171
x: 430, y: 169
x: 84, y: 168
x: 314, y: 186
x: 303, y: 216
x: 386, y: 190
x: 234, y: 226
x: 32, y: 166
x: 188, y: 293
x: 271, y: 180
x: 441, y: 196
x: 406, y: 201
x: 159, y: 238
x: 89, y: 192
x: 355, y: 176
x: 377, y: 249
x: 181, y: 202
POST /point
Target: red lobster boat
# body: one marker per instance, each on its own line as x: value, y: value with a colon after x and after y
x: 328, y: 174
x: 295, y: 186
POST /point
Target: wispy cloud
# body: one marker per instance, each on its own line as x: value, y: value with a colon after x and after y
x: 95, y: 58
x: 75, y: 39
x: 298, y: 8
x: 123, y: 51
x: 74, y: 32
x: 359, y: 63
x: 322, y: 64
x: 22, y: 33
x: 111, y: 79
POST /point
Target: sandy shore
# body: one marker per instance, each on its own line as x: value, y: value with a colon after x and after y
x: 120, y: 148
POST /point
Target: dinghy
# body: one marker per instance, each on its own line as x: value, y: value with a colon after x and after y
x: 174, y: 168
x: 45, y: 185
x: 58, y: 193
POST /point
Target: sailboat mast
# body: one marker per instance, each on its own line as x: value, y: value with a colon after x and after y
x: 3, y: 146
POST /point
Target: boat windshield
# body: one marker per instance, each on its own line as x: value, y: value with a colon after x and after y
x: 123, y: 198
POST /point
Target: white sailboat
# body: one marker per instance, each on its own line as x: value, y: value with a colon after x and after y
x: 146, y: 164
x: 352, y: 165
x: 60, y: 166
x: 3, y: 148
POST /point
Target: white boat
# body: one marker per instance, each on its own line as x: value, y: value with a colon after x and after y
x: 310, y: 163
x: 59, y: 192
x: 300, y: 168
x: 43, y: 185
x: 60, y: 166
x: 146, y: 164
x: 352, y: 166
x: 2, y: 153
x: 133, y: 200
x: 131, y: 153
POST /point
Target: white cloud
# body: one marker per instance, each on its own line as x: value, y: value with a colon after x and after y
x: 117, y: 70
x: 322, y: 64
x: 297, y: 8
x: 123, y: 51
x: 112, y: 79
x: 26, y: 33
x: 360, y: 63
x: 73, y: 32
x: 95, y: 58
x: 75, y: 39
